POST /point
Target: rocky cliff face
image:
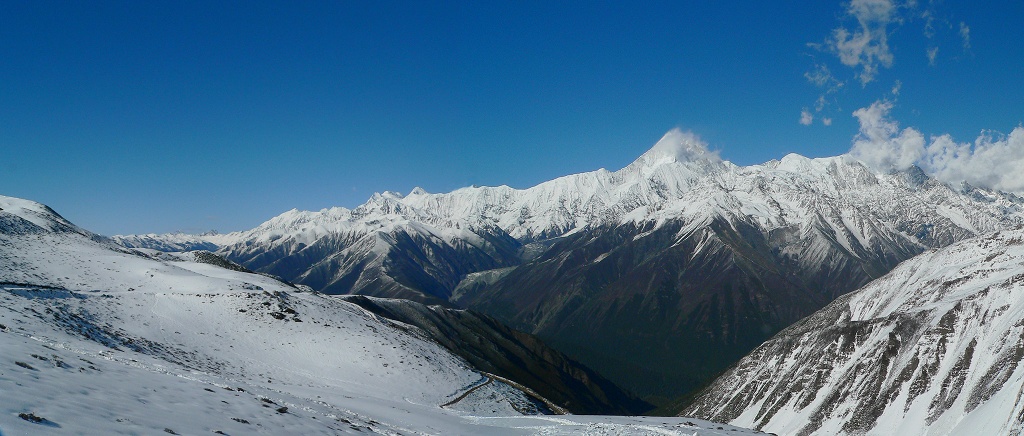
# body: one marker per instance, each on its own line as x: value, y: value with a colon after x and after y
x: 934, y: 347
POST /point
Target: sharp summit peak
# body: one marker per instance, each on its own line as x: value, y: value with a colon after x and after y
x: 677, y: 146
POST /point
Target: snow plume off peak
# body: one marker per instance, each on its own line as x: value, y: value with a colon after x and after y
x: 993, y: 161
x: 679, y: 146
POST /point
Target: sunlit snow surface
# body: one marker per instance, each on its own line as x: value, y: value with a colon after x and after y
x: 97, y: 339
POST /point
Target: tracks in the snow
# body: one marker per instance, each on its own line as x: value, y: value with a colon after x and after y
x: 470, y: 391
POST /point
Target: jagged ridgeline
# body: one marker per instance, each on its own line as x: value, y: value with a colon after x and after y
x: 659, y: 275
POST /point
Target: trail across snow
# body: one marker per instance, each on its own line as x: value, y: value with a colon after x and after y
x: 488, y: 381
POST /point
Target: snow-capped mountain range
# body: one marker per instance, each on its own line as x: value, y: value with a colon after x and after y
x: 679, y: 247
x: 675, y: 179
x: 101, y: 339
x: 934, y: 347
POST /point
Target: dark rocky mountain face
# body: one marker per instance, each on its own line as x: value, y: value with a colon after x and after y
x: 494, y: 348
x: 169, y: 242
x: 402, y: 263
x: 662, y: 312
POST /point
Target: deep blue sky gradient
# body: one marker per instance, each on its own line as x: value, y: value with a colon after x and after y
x: 133, y: 117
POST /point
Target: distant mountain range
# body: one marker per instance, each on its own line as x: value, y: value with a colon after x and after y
x: 659, y: 275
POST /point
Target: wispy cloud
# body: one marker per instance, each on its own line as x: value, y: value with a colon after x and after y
x: 929, y: 23
x: 993, y: 160
x: 806, y: 117
x: 859, y: 48
x: 965, y: 35
x: 866, y: 47
x: 822, y: 78
x: 881, y: 144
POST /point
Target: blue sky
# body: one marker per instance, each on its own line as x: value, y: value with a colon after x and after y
x: 131, y: 117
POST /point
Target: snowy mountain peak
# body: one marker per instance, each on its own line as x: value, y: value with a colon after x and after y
x: 794, y: 161
x: 389, y: 195
x: 677, y: 146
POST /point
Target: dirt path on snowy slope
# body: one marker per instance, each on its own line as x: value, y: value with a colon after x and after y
x: 470, y: 391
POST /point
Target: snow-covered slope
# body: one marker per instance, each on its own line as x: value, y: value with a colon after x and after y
x: 169, y: 241
x: 100, y: 339
x: 932, y: 348
x: 25, y: 217
x: 382, y: 248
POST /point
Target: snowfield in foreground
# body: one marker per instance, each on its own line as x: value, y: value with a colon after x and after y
x: 99, y: 339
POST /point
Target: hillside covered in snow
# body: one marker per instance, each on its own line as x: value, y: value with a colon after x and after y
x: 933, y: 348
x: 101, y: 339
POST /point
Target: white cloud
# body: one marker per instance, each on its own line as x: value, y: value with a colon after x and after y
x: 965, y: 34
x: 929, y: 23
x: 822, y: 78
x: 866, y: 47
x: 993, y: 161
x: 826, y: 121
x: 806, y: 118
x: 880, y: 144
x: 820, y: 103
x: 896, y: 88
